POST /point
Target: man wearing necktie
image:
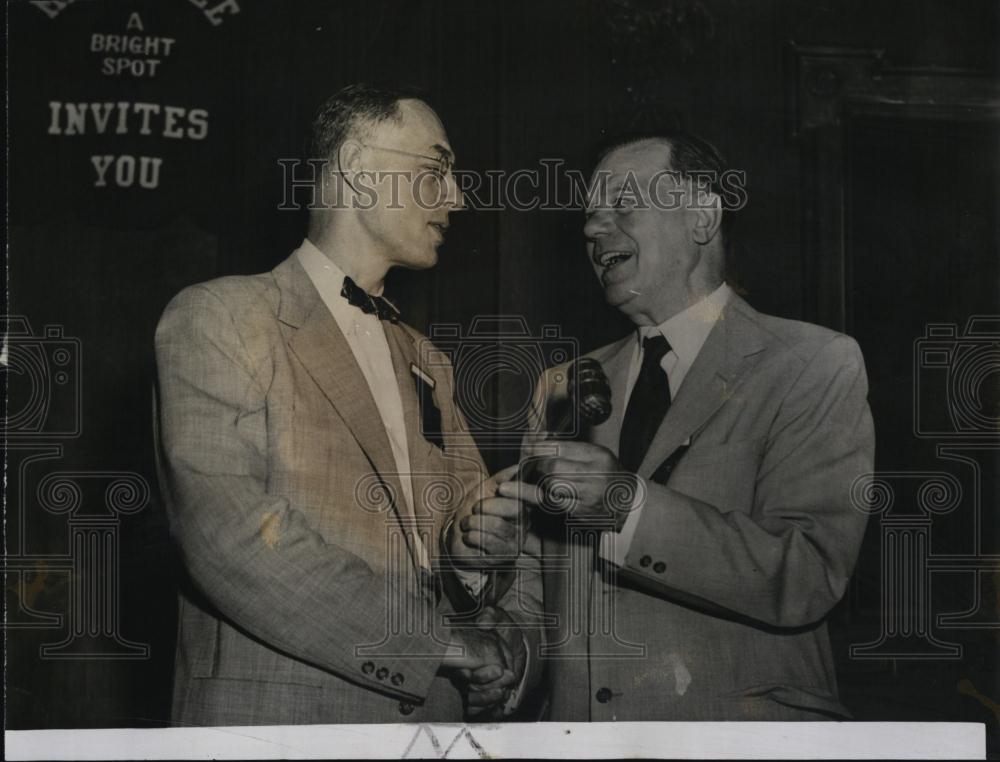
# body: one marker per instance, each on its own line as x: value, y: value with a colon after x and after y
x: 707, y: 526
x: 311, y: 464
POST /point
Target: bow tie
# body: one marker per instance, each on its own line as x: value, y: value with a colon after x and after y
x: 370, y: 305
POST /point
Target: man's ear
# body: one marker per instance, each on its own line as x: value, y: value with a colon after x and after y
x: 707, y: 212
x: 349, y: 162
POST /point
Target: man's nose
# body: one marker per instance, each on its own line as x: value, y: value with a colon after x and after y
x: 598, y: 224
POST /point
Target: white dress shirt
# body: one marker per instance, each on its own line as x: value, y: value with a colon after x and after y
x: 366, y: 338
x: 686, y: 333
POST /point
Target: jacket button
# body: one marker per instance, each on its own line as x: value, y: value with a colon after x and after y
x: 396, y: 679
x: 645, y: 561
x: 368, y: 667
x: 405, y: 708
x: 604, y: 695
x: 659, y: 567
x: 382, y: 673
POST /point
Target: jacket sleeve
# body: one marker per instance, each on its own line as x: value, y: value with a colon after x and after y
x: 521, y: 591
x: 787, y: 561
x: 247, y: 548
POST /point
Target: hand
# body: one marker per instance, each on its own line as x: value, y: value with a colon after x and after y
x: 583, y: 480
x: 487, y: 529
x: 475, y: 651
x: 480, y: 659
x: 487, y: 693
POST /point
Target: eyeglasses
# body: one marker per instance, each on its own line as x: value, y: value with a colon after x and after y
x: 442, y: 160
x: 438, y: 186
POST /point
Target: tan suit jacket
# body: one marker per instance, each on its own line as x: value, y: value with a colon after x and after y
x: 718, y: 612
x: 306, y: 603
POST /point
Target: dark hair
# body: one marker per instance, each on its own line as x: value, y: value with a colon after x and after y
x: 688, y: 154
x: 354, y: 106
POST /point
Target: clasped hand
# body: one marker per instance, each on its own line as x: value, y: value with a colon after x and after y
x: 488, y: 525
x: 581, y: 480
x: 489, y: 659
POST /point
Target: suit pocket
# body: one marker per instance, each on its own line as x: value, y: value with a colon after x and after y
x: 240, y: 656
x: 230, y: 701
x: 722, y: 475
x: 745, y: 448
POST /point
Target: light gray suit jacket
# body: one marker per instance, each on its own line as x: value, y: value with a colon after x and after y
x: 717, y: 613
x: 281, y: 488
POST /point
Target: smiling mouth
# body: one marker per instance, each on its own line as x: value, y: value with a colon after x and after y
x: 609, y: 260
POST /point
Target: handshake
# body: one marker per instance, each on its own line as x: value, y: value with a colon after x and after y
x: 488, y: 533
x: 488, y: 661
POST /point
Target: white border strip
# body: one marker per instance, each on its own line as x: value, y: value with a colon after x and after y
x: 683, y: 740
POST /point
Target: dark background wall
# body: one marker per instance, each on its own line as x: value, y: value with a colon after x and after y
x: 515, y: 82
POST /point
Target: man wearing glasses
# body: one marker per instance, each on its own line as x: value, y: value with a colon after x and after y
x: 302, y: 443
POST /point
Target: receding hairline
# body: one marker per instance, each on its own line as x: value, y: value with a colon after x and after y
x: 359, y: 111
x: 399, y: 119
x: 638, y: 144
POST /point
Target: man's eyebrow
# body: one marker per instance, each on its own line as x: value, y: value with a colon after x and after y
x: 608, y: 181
x: 443, y: 150
x: 610, y: 188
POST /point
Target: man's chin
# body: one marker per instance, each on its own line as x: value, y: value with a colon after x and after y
x: 422, y: 262
x: 618, y: 294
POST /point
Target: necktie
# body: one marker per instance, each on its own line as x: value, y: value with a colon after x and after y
x: 370, y: 305
x: 647, y: 406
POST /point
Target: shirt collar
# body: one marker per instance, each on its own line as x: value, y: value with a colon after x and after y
x: 328, y: 279
x: 688, y: 330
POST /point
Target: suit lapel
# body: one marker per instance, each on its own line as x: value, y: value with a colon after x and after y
x: 324, y: 352
x: 404, y: 355
x: 729, y: 352
x: 423, y: 468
